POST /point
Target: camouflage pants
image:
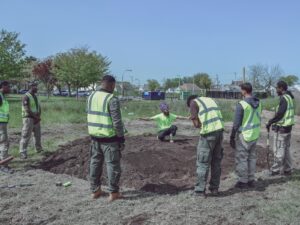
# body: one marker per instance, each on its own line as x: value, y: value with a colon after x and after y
x: 28, y: 128
x: 282, y: 154
x: 209, y: 154
x: 245, y: 159
x: 4, y: 144
x: 110, y: 153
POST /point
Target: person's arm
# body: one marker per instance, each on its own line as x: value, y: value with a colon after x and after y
x: 194, y: 109
x: 183, y: 117
x: 238, y: 120
x: 115, y: 112
x: 280, y: 113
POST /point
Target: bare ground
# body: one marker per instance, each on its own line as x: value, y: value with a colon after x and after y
x: 37, y: 200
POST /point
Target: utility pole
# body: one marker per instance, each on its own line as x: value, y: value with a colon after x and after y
x: 244, y: 74
x: 127, y: 70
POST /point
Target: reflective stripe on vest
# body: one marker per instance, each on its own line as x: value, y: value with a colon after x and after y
x: 35, y: 108
x: 98, y: 117
x: 209, y: 115
x: 4, y: 109
x: 289, y: 115
x: 250, y: 128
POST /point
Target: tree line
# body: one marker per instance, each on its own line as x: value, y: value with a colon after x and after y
x: 82, y: 68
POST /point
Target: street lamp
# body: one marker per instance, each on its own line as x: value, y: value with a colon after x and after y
x: 127, y: 70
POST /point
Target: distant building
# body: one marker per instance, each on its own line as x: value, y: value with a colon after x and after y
x: 189, y: 87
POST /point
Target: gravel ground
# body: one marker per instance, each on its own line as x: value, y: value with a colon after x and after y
x: 45, y: 203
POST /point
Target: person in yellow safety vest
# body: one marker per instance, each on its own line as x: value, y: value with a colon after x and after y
x: 246, y: 129
x: 282, y: 125
x: 206, y: 116
x: 164, y: 122
x: 31, y: 116
x: 4, y: 118
x: 106, y: 129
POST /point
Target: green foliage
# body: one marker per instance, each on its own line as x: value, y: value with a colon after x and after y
x: 202, y: 80
x: 12, y: 55
x: 290, y: 79
x: 171, y: 83
x: 80, y: 68
x: 153, y: 84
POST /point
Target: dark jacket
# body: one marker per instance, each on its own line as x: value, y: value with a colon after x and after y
x: 283, y: 105
x: 239, y: 114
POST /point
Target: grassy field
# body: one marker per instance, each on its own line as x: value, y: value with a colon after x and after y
x: 64, y: 110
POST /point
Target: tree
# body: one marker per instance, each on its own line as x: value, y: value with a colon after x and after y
x: 291, y: 80
x: 80, y: 68
x: 153, y: 84
x: 43, y: 72
x: 202, y: 80
x: 12, y: 55
x: 171, y: 83
x: 263, y: 76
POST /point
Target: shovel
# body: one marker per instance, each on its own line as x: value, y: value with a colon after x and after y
x: 268, y: 150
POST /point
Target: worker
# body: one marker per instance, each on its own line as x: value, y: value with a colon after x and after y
x: 244, y: 135
x: 31, y: 114
x: 282, y: 125
x: 106, y: 129
x: 164, y: 122
x: 4, y: 118
x: 207, y: 116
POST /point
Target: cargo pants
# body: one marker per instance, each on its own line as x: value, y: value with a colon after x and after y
x: 245, y: 159
x: 282, y: 154
x: 209, y: 154
x: 4, y: 143
x: 111, y: 154
x: 28, y: 128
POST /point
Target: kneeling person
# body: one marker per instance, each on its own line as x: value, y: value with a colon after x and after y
x: 164, y: 122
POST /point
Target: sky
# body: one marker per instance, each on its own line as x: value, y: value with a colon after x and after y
x: 159, y: 39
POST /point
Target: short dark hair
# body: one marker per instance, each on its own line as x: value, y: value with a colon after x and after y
x: 4, y: 83
x: 282, y: 84
x: 189, y: 99
x: 108, y: 79
x: 246, y: 87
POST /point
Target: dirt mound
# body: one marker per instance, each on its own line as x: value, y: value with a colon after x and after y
x: 147, y: 164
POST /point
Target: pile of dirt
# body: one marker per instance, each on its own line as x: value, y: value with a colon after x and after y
x: 147, y: 163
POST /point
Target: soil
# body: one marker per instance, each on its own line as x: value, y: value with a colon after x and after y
x: 147, y: 164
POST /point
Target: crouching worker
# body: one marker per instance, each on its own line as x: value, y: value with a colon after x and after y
x: 164, y: 122
x: 106, y: 129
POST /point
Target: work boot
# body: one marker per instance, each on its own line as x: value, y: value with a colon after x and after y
x: 6, y: 169
x: 199, y: 194
x: 39, y: 150
x: 251, y: 184
x: 214, y: 192
x: 274, y: 173
x: 23, y: 155
x: 287, y: 173
x: 241, y: 185
x: 97, y: 194
x: 114, y: 196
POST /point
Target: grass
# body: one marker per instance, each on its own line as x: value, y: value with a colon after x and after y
x: 64, y: 110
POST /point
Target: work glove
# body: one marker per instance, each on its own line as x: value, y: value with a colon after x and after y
x: 232, y: 143
x: 122, y: 146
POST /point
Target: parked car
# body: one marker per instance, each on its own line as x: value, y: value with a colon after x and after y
x: 81, y: 93
x: 62, y: 93
x: 23, y: 91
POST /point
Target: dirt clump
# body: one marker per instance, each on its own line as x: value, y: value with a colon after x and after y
x: 147, y: 163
